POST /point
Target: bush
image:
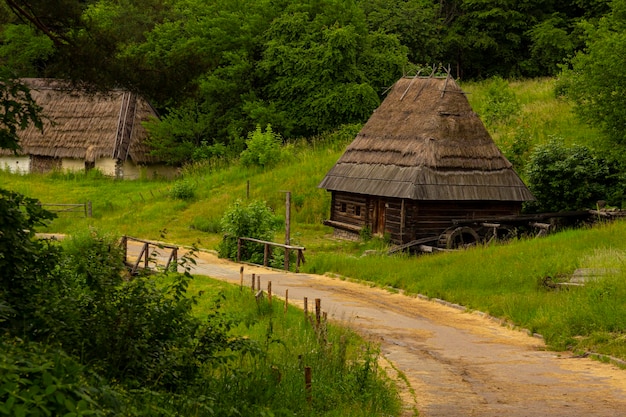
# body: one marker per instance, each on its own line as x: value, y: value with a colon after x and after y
x: 264, y: 149
x: 255, y: 220
x: 501, y: 103
x: 183, y: 190
x: 38, y: 380
x: 571, y: 178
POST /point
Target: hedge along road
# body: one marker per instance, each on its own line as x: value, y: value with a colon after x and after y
x: 456, y: 363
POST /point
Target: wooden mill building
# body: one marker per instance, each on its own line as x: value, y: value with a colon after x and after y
x: 423, y: 160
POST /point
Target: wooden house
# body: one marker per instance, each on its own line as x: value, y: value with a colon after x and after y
x: 84, y: 130
x: 421, y: 162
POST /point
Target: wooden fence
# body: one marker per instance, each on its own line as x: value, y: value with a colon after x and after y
x: 146, y: 255
x: 266, y: 251
x: 318, y: 319
x: 84, y: 208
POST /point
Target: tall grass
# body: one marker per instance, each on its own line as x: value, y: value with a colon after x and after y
x: 518, y: 281
x: 270, y: 377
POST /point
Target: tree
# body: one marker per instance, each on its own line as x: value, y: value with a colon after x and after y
x: 596, y: 81
x: 316, y: 70
x: 17, y: 110
x: 415, y: 23
x: 23, y: 51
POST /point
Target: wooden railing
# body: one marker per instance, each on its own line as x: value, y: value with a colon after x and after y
x: 266, y: 251
x: 144, y: 254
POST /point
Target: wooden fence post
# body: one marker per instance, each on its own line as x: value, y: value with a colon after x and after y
x: 318, y: 311
x: 124, y: 244
x: 253, y: 282
x: 145, y: 261
x: 308, y: 384
x: 299, y: 260
x: 269, y: 291
x: 258, y: 282
x: 306, y: 307
x: 241, y: 277
x: 286, y: 300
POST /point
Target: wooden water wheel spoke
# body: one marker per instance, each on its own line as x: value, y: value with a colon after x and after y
x: 458, y: 237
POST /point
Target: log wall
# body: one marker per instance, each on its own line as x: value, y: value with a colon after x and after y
x: 406, y: 220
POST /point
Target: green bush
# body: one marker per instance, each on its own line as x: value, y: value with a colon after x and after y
x: 263, y: 149
x: 500, y: 105
x: 255, y: 221
x: 183, y: 190
x: 571, y: 178
x: 36, y: 380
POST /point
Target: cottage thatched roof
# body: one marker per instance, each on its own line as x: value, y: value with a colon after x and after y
x: 85, y: 125
x: 424, y: 142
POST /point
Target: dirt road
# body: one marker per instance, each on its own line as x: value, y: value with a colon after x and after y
x: 456, y: 363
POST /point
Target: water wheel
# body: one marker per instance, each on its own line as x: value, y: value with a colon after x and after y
x: 458, y: 237
x: 500, y: 233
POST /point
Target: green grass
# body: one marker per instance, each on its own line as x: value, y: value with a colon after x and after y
x: 507, y: 281
x: 346, y: 378
x: 503, y: 280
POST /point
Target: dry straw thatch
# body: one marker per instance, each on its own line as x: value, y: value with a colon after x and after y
x: 424, y: 142
x: 87, y: 126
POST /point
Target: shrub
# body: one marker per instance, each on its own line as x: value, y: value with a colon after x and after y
x: 571, y: 178
x: 255, y: 220
x: 183, y: 190
x: 501, y: 103
x: 263, y: 148
x: 39, y: 380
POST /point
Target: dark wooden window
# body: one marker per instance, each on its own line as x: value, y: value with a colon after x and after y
x: 343, y: 207
x: 357, y: 210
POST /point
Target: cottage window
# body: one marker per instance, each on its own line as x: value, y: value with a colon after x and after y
x: 357, y: 210
x: 343, y: 208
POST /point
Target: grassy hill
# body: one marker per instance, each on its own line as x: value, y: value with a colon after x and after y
x: 513, y: 281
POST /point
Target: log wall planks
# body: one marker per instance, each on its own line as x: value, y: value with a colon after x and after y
x: 407, y: 220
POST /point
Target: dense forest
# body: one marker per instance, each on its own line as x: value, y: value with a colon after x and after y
x: 216, y: 70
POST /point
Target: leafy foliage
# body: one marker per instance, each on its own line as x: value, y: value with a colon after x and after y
x: 17, y: 110
x: 262, y: 148
x: 183, y: 190
x: 596, y: 80
x: 572, y: 178
x: 23, y: 49
x: 500, y: 104
x: 24, y: 261
x: 255, y: 220
x: 216, y: 70
x: 40, y: 380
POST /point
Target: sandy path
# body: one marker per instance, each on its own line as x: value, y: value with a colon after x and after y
x: 457, y: 363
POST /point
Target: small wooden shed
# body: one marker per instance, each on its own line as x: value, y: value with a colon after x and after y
x: 84, y: 130
x: 422, y: 160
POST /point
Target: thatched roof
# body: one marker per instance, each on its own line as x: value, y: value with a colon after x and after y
x: 85, y: 125
x: 424, y: 142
